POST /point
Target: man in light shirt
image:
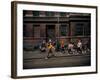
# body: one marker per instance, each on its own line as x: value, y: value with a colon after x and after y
x: 79, y: 46
x: 70, y: 47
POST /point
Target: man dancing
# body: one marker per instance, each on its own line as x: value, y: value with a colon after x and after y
x: 79, y: 46
x: 50, y: 49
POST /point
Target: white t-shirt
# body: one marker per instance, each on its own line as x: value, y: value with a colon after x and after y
x: 70, y: 46
x: 79, y: 44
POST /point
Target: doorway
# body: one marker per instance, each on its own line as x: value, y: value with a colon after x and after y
x: 50, y: 32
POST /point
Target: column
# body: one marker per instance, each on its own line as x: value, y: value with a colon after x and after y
x: 57, y: 32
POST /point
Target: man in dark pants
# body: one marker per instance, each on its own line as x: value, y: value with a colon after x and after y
x: 50, y: 49
x: 79, y: 46
x: 43, y: 46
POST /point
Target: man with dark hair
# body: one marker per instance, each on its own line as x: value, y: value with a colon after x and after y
x: 70, y: 47
x: 50, y: 49
x: 43, y: 46
x: 79, y: 46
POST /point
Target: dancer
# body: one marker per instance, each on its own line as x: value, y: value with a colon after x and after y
x: 43, y: 46
x: 79, y: 46
x: 50, y: 49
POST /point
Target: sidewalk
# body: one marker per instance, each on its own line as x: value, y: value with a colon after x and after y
x: 38, y: 54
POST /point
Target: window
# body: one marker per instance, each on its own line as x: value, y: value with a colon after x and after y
x: 50, y: 14
x: 63, y: 14
x: 79, y: 28
x: 63, y: 30
x: 36, y: 13
x: 82, y: 29
x: 87, y: 30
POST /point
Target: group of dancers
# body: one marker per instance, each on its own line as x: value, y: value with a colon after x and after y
x: 51, y: 46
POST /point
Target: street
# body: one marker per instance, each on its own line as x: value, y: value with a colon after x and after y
x: 33, y: 60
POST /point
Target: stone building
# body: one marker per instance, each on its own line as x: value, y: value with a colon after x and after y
x: 66, y: 26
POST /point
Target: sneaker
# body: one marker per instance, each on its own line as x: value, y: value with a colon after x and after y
x: 46, y: 57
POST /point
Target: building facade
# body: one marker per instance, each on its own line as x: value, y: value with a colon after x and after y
x: 44, y: 25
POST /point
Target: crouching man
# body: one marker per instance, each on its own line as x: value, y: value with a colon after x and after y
x: 43, y: 46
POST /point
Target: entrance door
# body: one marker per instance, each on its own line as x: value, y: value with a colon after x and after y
x: 50, y: 32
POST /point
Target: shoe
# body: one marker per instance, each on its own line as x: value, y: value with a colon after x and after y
x: 46, y: 57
